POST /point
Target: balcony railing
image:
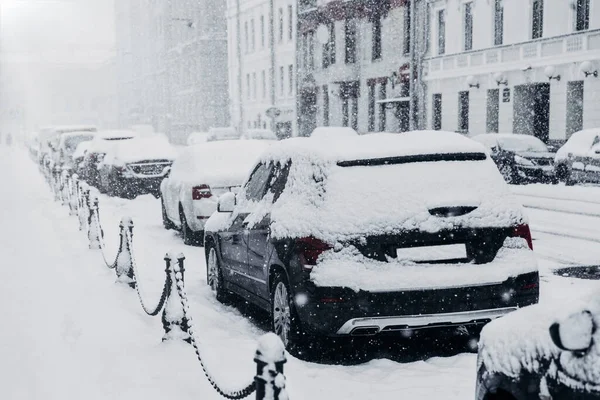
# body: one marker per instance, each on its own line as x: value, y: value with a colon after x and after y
x: 552, y: 47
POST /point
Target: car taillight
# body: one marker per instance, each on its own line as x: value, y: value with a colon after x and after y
x: 309, y: 249
x: 201, y: 192
x: 522, y: 231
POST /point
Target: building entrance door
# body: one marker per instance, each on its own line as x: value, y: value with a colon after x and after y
x: 532, y: 110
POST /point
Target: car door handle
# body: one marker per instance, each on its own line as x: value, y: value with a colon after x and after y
x: 228, y: 238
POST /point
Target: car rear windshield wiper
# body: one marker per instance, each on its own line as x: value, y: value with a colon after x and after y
x: 414, y: 159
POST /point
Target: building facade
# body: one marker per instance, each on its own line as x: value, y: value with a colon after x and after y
x: 355, y: 64
x: 262, y: 64
x: 523, y: 66
x: 171, y: 60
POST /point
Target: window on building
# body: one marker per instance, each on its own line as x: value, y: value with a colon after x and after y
x: 537, y: 19
x: 441, y: 31
x: 371, y: 121
x: 325, y: 105
x: 498, y: 22
x: 281, y: 81
x: 436, y: 122
x: 263, y: 83
x: 329, y: 47
x: 281, y: 25
x: 463, y: 112
x: 262, y: 31
x: 582, y: 15
x: 354, y: 113
x: 291, y: 79
x: 254, y: 84
x: 382, y: 109
x: 248, y: 86
x: 407, y: 29
x: 247, y: 39
x: 493, y: 110
x: 345, y: 111
x: 290, y: 22
x: 468, y: 26
x: 350, y: 39
x: 376, y: 51
x: 309, y: 50
x: 252, y: 35
x: 574, y: 107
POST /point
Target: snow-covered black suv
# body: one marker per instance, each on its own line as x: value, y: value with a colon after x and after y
x: 381, y: 233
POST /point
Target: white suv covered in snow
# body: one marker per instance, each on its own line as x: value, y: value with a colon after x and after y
x: 199, y: 175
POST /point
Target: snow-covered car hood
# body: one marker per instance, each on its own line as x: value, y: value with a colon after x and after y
x: 520, y: 342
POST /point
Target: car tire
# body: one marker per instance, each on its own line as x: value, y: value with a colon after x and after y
x: 508, y: 173
x: 284, y: 319
x: 214, y: 276
x: 190, y: 237
x: 165, y: 218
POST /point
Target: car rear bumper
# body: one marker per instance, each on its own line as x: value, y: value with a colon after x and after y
x: 343, y: 312
x: 139, y: 185
x: 420, y: 321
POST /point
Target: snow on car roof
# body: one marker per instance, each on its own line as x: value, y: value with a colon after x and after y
x: 74, y: 128
x: 372, y: 146
x: 116, y: 134
x: 259, y: 134
x: 144, y: 148
x: 334, y: 195
x: 221, y: 163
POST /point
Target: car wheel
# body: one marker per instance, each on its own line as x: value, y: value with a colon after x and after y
x: 507, y: 173
x: 189, y: 236
x: 284, y: 319
x: 214, y: 276
x: 165, y: 219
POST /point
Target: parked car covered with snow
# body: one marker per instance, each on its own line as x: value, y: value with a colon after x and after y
x: 67, y: 144
x: 578, y: 160
x: 137, y: 166
x: 197, y: 137
x: 98, y: 148
x: 199, y: 176
x: 222, y: 133
x: 520, y: 158
x: 259, y: 134
x: 542, y: 352
x: 380, y: 233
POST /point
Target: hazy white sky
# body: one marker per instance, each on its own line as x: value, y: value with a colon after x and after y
x: 58, y: 30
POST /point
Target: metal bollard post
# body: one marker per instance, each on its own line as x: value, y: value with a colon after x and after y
x: 73, y: 194
x: 174, y: 320
x: 94, y: 231
x: 124, y: 267
x: 84, y: 201
x: 269, y: 359
x: 56, y: 182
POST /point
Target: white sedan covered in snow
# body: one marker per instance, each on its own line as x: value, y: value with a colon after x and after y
x: 199, y: 176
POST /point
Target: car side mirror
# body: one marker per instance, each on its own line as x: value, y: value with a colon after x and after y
x: 597, y: 151
x: 227, y: 203
x: 575, y: 333
x: 495, y: 149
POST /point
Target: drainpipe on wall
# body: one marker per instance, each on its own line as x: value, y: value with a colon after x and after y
x: 412, y: 120
x: 240, y: 66
x: 422, y: 95
x: 272, y: 67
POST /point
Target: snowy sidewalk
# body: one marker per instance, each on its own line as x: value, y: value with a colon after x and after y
x: 68, y: 332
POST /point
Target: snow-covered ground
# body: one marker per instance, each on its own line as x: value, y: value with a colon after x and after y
x: 70, y: 332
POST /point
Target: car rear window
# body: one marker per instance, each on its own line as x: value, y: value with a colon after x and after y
x: 414, y: 159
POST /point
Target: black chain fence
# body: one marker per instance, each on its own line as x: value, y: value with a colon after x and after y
x: 80, y: 198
